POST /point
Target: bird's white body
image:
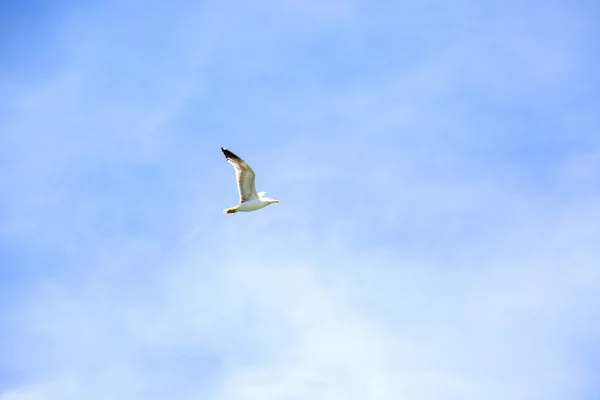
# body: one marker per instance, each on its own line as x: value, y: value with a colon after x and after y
x: 254, y: 204
x: 249, y: 199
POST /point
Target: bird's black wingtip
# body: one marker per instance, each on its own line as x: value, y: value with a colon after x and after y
x: 230, y: 154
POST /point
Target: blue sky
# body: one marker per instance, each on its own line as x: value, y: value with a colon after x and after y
x: 437, y: 165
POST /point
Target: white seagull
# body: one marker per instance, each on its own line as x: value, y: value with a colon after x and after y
x: 249, y: 199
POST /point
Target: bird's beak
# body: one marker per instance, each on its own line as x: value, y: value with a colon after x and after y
x: 275, y: 201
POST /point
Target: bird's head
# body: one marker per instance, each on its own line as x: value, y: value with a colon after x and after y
x: 269, y: 200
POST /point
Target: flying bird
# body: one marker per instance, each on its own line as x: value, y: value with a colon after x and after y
x: 249, y: 199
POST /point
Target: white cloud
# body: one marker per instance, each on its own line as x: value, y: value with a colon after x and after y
x: 338, y: 323
x: 444, y: 275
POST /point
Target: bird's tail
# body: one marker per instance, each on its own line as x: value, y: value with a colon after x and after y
x: 231, y: 210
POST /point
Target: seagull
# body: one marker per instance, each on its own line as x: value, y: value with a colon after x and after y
x: 249, y: 199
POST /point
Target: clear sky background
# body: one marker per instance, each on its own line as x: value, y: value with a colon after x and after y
x: 438, y: 167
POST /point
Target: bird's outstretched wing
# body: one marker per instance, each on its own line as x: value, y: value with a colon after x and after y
x: 244, y: 175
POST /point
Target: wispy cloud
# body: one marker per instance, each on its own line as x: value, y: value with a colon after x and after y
x: 437, y: 230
